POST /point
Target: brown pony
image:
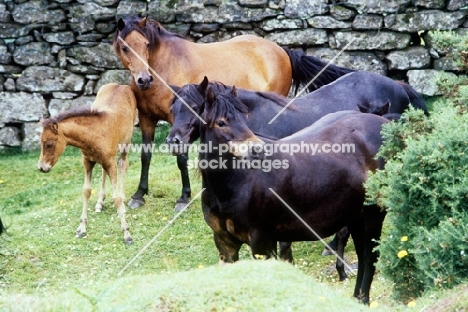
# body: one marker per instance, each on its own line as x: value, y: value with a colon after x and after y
x: 247, y: 61
x: 98, y: 131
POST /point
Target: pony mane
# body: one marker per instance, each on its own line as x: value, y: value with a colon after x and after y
x: 152, y: 31
x: 190, y: 91
x: 226, y: 105
x: 80, y: 111
x: 219, y: 87
x: 278, y: 99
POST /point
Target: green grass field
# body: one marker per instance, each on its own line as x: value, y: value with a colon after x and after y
x: 44, y: 267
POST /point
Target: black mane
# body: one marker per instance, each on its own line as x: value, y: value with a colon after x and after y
x: 280, y: 100
x: 152, y: 31
x: 226, y: 105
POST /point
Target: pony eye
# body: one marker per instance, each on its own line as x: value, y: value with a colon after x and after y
x: 221, y: 123
x: 49, y: 144
x: 124, y: 49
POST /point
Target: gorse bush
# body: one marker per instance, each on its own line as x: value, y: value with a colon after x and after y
x: 424, y: 189
x: 453, y: 44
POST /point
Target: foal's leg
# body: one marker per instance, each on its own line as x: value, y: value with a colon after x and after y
x: 123, y: 166
x: 88, y: 170
x: 102, y: 192
x: 118, y: 200
x: 186, y: 191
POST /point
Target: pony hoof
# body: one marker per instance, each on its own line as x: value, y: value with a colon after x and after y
x: 326, y: 252
x: 80, y: 234
x: 136, y: 203
x: 179, y: 207
x: 98, y: 209
x: 128, y: 241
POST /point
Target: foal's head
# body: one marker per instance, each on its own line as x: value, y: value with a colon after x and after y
x: 52, y: 145
x: 133, y: 42
x: 226, y: 123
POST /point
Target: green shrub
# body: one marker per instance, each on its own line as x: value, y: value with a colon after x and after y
x: 424, y: 188
x: 454, y: 43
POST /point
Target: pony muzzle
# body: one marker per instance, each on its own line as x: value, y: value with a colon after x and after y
x: 251, y: 148
x: 144, y: 82
x: 43, y: 167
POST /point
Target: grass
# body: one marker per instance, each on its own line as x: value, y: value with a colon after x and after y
x: 43, y: 266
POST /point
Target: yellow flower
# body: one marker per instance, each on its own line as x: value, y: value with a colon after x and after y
x: 411, y: 304
x: 373, y: 304
x: 164, y: 218
x: 1, y: 181
x: 404, y: 238
x: 258, y: 256
x: 200, y: 266
x: 93, y: 192
x: 402, y: 253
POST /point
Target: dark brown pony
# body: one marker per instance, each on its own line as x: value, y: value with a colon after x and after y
x: 147, y: 50
x: 98, y: 131
x: 244, y: 203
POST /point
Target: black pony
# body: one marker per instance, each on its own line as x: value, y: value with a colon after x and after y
x: 344, y: 94
x: 350, y: 92
x: 244, y: 203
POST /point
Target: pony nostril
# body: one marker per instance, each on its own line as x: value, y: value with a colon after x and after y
x: 140, y: 81
x: 151, y: 79
x: 256, y: 151
x: 172, y: 141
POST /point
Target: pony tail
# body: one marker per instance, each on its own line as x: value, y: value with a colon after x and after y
x: 306, y: 67
x: 415, y: 98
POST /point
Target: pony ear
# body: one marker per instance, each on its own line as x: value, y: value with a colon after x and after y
x: 175, y: 88
x: 386, y: 108
x: 142, y: 22
x: 210, y: 97
x: 363, y: 108
x: 203, y: 85
x: 54, y: 127
x: 234, y: 91
x: 120, y: 24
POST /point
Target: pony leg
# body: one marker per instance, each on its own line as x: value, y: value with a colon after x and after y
x: 147, y: 126
x: 342, y: 239
x: 119, y: 203
x: 358, y: 234
x: 286, y: 252
x: 228, y: 247
x: 88, y: 170
x: 102, y: 192
x: 373, y: 218
x: 262, y: 245
x: 333, y: 244
x: 123, y: 167
x: 186, y: 191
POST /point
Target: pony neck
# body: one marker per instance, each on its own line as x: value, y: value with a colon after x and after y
x: 77, y: 131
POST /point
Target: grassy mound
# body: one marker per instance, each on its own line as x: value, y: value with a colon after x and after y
x: 245, y: 286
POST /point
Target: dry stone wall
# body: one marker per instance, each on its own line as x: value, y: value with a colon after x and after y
x: 55, y: 54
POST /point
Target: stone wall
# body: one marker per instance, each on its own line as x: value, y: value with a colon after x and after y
x: 56, y: 54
